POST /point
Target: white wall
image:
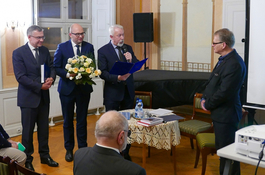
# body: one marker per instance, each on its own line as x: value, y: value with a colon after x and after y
x: 199, y: 16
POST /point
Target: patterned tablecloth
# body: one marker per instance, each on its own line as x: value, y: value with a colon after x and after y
x: 160, y: 136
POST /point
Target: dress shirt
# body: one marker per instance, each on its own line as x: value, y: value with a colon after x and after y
x: 108, y: 148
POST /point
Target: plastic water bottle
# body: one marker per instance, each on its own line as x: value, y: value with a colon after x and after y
x: 139, y: 112
x: 136, y: 108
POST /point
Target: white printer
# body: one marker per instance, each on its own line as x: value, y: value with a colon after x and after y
x: 249, y: 140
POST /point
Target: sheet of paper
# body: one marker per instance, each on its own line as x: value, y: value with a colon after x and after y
x: 160, y: 111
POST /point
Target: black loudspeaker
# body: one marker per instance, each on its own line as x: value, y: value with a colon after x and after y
x: 143, y: 27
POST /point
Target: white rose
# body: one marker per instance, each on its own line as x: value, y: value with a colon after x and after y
x: 89, y: 60
x: 68, y: 66
x: 70, y: 60
x: 86, y: 64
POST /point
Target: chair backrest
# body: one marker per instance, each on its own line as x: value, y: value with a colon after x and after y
x: 197, y: 105
x: 5, y: 167
x: 146, y: 97
x: 21, y: 170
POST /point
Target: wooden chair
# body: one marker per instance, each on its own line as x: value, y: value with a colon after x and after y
x: 197, y: 105
x: 146, y: 97
x: 206, y: 144
x: 5, y: 166
x: 191, y: 128
x: 21, y: 170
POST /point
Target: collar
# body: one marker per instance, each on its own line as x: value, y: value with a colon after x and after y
x: 113, y: 45
x: 221, y: 58
x: 30, y: 46
x: 103, y: 146
x: 73, y: 44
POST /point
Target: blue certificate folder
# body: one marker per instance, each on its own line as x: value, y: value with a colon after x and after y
x: 45, y: 72
x: 122, y: 68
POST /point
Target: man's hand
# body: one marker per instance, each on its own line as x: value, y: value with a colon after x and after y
x: 14, y: 145
x: 49, y: 80
x: 203, y: 105
x: 47, y: 84
x: 72, y: 75
x: 123, y: 77
x: 128, y: 57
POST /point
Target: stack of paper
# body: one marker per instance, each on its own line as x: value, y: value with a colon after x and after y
x: 160, y: 111
x: 150, y: 121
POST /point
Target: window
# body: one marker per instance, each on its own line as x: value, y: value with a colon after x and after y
x: 56, y: 16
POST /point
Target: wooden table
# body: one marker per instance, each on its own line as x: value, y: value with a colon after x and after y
x: 163, y: 136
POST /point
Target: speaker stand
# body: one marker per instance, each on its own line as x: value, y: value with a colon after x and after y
x: 145, y: 56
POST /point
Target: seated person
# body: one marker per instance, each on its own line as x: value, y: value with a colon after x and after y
x: 9, y: 148
x: 104, y: 158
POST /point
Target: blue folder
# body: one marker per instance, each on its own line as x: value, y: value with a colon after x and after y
x: 122, y: 68
x: 45, y: 72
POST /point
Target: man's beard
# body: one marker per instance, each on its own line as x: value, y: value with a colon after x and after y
x: 120, y: 43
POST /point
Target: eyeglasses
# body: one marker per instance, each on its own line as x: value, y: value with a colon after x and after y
x: 39, y: 37
x: 79, y: 34
x: 129, y: 132
x: 217, y: 43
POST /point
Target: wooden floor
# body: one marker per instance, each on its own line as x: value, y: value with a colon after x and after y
x: 160, y: 162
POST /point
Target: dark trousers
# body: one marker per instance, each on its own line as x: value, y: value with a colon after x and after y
x: 68, y: 103
x: 126, y: 103
x: 40, y: 116
x: 225, y: 135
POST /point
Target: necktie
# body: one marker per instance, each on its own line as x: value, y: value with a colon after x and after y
x: 77, y: 50
x: 37, y: 55
x: 120, y: 54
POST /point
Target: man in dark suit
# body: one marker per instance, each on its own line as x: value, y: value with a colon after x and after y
x: 104, y: 158
x: 119, y: 89
x: 33, y: 96
x: 222, y: 93
x: 70, y: 93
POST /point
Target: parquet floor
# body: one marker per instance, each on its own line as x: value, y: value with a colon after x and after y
x: 160, y: 162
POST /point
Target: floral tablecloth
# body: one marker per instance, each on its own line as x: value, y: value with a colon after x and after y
x: 160, y: 136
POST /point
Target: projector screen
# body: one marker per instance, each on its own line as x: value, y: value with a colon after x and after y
x: 255, y: 54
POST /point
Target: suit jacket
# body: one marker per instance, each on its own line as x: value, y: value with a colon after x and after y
x: 28, y: 75
x: 103, y: 161
x: 222, y: 92
x: 63, y: 52
x: 113, y: 89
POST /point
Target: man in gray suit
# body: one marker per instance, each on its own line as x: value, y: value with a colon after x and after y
x: 104, y: 158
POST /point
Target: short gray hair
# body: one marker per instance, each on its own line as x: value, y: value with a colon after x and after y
x: 113, y: 122
x: 34, y: 28
x: 112, y: 28
x: 227, y: 36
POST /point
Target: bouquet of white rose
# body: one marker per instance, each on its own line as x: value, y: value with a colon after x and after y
x: 84, y: 68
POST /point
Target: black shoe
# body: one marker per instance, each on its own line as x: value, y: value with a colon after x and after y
x: 69, y: 156
x: 29, y: 166
x: 49, y: 162
x: 127, y: 157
